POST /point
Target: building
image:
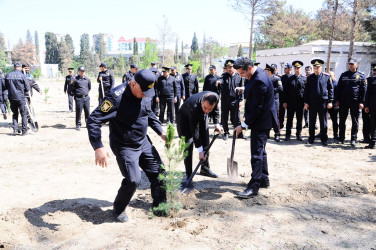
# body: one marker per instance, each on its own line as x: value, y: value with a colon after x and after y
x: 234, y: 48
x: 363, y: 51
x: 108, y: 41
x: 126, y: 45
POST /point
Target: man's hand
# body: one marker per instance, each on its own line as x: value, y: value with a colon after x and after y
x: 175, y: 100
x: 163, y: 136
x: 361, y: 105
x: 183, y: 98
x: 337, y: 104
x: 100, y: 78
x: 218, y: 128
x: 284, y: 105
x: 201, y: 156
x: 306, y: 106
x: 238, y: 130
x: 366, y: 109
x: 157, y: 99
x: 240, y: 89
x: 329, y: 105
x: 101, y: 155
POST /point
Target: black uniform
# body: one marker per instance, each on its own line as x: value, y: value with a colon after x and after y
x: 165, y: 90
x: 128, y: 119
x: 180, y: 91
x: 278, y: 88
x: 282, y: 111
x: 293, y: 94
x: 192, y: 123
x: 17, y: 85
x: 317, y: 94
x: 228, y: 99
x: 190, y: 84
x: 366, y: 123
x: 33, y: 84
x: 127, y: 76
x: 333, y: 112
x: 81, y: 88
x: 370, y: 102
x: 3, y: 95
x: 210, y: 84
x: 68, y: 88
x: 108, y: 81
x: 351, y: 92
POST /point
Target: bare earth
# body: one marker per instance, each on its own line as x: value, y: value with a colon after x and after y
x: 53, y: 196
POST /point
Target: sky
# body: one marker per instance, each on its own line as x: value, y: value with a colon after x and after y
x: 214, y: 18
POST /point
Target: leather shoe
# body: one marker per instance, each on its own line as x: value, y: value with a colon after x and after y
x: 353, y: 143
x: 324, y: 143
x: 287, y: 138
x: 240, y: 136
x: 299, y: 138
x: 365, y: 141
x: 370, y: 146
x: 5, y: 116
x: 277, y: 138
x: 208, y: 173
x: 335, y: 137
x: 225, y: 137
x: 305, y: 126
x: 78, y: 128
x: 248, y: 193
x: 123, y: 217
x: 310, y: 141
x: 265, y: 184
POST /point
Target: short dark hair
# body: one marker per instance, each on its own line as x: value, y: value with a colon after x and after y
x: 308, y: 67
x: 25, y: 65
x: 243, y: 63
x: 212, y: 98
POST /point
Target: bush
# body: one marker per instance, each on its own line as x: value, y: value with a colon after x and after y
x: 36, y: 73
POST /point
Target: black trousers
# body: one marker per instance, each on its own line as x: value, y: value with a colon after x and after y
x: 130, y: 160
x: 343, y: 113
x: 3, y: 102
x: 259, y: 160
x: 372, y: 119
x: 169, y: 102
x: 82, y: 103
x: 366, y: 126
x: 70, y: 102
x: 177, y: 104
x: 227, y: 107
x: 333, y: 112
x: 204, y: 139
x: 155, y: 106
x: 320, y: 109
x: 15, y: 106
x: 215, y: 114
x: 281, y: 116
x: 305, y: 115
x: 291, y: 110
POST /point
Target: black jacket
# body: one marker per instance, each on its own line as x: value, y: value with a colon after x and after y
x: 17, y: 85
x: 81, y: 86
x: 68, y: 85
x: 294, y: 90
x: 318, y: 88
x: 210, y: 83
x: 370, y: 100
x: 228, y: 85
x: 165, y: 87
x: 190, y: 84
x: 351, y: 87
x: 108, y: 80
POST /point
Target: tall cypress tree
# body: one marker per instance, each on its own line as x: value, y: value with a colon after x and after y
x: 182, y: 53
x: 29, y: 38
x: 176, y: 56
x: 36, y: 43
x: 100, y: 47
x: 69, y: 41
x: 135, y: 47
x: 194, y: 46
x: 52, y: 54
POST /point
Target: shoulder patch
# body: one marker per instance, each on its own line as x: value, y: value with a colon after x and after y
x: 357, y: 77
x: 365, y: 82
x: 108, y: 73
x: 106, y: 106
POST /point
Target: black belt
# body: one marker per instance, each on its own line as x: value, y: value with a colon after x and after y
x: 81, y: 96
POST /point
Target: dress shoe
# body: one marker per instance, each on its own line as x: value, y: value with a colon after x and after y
x: 299, y: 138
x: 225, y: 137
x: 365, y: 141
x: 265, y: 184
x: 24, y: 133
x: 353, y: 143
x: 370, y: 146
x: 240, y: 136
x: 281, y: 126
x: 277, y: 138
x: 305, y: 126
x: 318, y: 135
x: 207, y: 172
x: 123, y: 217
x: 310, y: 141
x: 248, y: 193
x: 78, y: 128
x: 287, y: 138
x: 5, y: 116
x: 335, y: 137
x: 16, y: 131
x: 324, y: 143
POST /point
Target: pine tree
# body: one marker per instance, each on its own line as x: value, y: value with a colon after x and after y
x: 52, y: 54
x: 29, y: 38
x: 135, y: 47
x: 176, y: 56
x: 36, y: 43
x: 240, y: 51
x: 194, y: 46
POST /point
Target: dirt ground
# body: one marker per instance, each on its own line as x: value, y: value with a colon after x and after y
x: 52, y: 196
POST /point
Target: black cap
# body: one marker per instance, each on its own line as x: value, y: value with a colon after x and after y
x: 134, y: 66
x: 317, y: 62
x: 256, y: 64
x: 154, y: 70
x: 17, y: 64
x: 288, y: 65
x: 212, y: 67
x: 152, y: 63
x: 145, y: 78
x: 297, y: 64
x: 103, y: 65
x: 274, y: 65
x: 229, y: 62
x: 188, y: 66
x: 165, y: 69
x: 25, y: 65
x: 353, y: 60
x: 173, y: 67
x: 70, y: 69
x: 268, y: 67
x: 81, y: 68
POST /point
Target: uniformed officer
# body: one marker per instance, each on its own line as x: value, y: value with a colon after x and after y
x: 333, y: 112
x: 18, y: 87
x: 318, y: 97
x: 351, y: 95
x: 153, y: 65
x: 192, y: 123
x: 154, y: 103
x: 3, y: 96
x: 230, y: 81
x: 81, y: 88
x: 308, y: 71
x: 282, y: 111
x: 275, y: 69
x: 131, y: 73
x: 127, y: 107
x: 260, y: 116
x: 165, y: 92
x: 213, y: 83
x: 180, y: 89
x: 190, y: 82
x: 370, y: 107
x: 68, y: 86
x: 278, y: 88
x: 105, y: 77
x: 293, y: 100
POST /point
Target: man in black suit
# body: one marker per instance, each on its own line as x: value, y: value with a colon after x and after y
x: 260, y: 116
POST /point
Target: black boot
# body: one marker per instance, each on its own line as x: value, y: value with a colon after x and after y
x: 371, y: 145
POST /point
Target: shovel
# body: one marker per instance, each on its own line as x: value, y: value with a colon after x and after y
x: 102, y: 90
x: 187, y: 189
x: 232, y: 166
x: 31, y: 119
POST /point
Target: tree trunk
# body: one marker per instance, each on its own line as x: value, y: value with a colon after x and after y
x: 251, y: 35
x: 352, y: 34
x: 332, y: 34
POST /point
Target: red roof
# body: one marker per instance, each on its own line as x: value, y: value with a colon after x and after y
x: 121, y: 39
x: 138, y: 39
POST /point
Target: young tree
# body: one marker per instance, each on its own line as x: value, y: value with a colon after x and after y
x: 165, y: 36
x: 36, y: 43
x: 3, y: 58
x: 52, y: 54
x: 176, y: 55
x: 240, y: 51
x: 135, y: 47
x: 120, y: 65
x: 23, y: 53
x: 150, y: 54
x: 194, y: 46
x: 353, y: 24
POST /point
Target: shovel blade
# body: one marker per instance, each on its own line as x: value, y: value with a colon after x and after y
x: 232, y: 169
